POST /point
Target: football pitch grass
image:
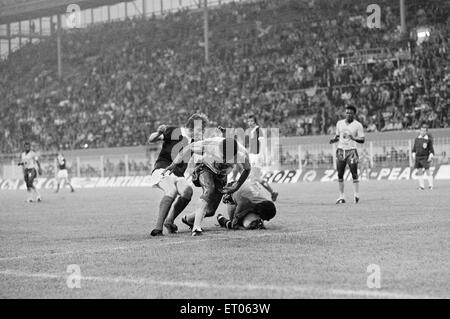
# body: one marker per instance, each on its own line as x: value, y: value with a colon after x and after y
x: 313, y: 248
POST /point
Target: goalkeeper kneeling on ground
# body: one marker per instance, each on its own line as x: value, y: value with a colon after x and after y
x: 248, y: 208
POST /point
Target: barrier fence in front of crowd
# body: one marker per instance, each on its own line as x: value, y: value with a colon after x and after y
x: 139, y: 161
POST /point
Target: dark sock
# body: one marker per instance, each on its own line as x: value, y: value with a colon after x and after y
x: 164, y: 207
x: 224, y: 222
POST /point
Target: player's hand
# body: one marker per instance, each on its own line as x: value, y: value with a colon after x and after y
x: 40, y: 171
x: 161, y: 129
x: 430, y: 158
x: 350, y: 136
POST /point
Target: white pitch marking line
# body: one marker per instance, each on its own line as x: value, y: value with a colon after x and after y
x: 154, y: 245
x: 207, y: 285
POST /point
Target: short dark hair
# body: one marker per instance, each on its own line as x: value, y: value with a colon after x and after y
x: 197, y: 117
x: 351, y: 107
x: 424, y: 125
x: 253, y: 116
x: 26, y: 143
x: 266, y: 210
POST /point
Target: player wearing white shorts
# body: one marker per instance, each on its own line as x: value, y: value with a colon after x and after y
x: 63, y: 174
x: 348, y: 132
x: 30, y: 166
x: 175, y: 186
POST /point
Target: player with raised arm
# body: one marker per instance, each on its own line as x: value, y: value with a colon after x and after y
x: 30, y: 167
x: 175, y: 186
x: 423, y: 153
x: 248, y: 207
x: 349, y: 132
x: 214, y: 159
x: 63, y: 175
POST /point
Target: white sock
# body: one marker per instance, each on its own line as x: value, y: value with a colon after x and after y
x: 421, y: 181
x: 430, y: 180
x: 199, y: 215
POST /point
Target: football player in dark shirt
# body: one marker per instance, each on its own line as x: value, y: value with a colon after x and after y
x: 423, y: 153
x: 63, y: 174
x: 175, y: 187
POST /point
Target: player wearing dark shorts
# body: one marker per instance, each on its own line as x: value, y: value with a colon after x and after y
x: 348, y: 132
x: 423, y: 153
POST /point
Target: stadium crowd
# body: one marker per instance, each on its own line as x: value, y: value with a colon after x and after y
x: 275, y: 59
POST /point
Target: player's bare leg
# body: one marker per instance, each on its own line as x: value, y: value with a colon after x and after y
x: 340, y: 167
x: 164, y: 208
x: 209, y: 201
x: 182, y: 201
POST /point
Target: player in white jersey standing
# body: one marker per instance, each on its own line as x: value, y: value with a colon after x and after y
x: 348, y: 132
x: 30, y: 166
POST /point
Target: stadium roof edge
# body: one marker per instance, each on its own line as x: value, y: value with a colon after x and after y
x: 42, y: 8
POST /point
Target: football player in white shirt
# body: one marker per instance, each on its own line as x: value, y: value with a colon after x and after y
x: 214, y: 159
x: 349, y: 132
x: 30, y: 166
